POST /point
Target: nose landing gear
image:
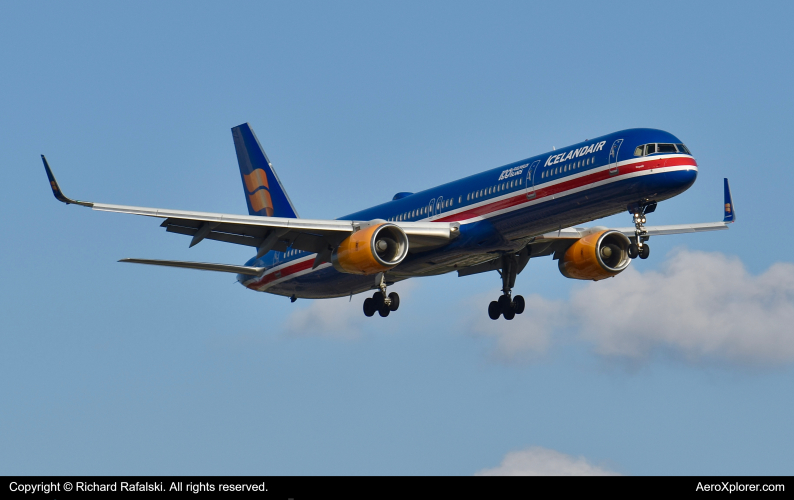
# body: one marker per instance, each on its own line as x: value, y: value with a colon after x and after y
x: 380, y: 302
x: 638, y: 247
x: 507, y: 305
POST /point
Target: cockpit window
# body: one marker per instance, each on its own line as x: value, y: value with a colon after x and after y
x: 649, y: 149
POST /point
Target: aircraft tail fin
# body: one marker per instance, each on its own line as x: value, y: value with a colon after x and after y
x: 264, y: 193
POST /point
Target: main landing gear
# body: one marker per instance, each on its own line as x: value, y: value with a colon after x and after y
x: 638, y: 247
x: 380, y: 302
x: 507, y: 306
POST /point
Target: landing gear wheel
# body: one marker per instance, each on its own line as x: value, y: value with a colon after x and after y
x: 494, y: 310
x: 510, y: 314
x: 505, y: 303
x: 645, y: 252
x: 518, y: 304
x: 395, y: 301
x: 384, y: 310
x: 377, y: 300
x: 634, y: 251
x: 369, y: 307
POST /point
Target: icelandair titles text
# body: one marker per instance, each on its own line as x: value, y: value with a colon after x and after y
x: 585, y: 150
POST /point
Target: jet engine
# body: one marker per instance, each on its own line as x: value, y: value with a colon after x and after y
x: 371, y: 250
x: 596, y: 256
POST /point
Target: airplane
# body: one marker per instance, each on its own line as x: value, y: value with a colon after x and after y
x: 496, y: 220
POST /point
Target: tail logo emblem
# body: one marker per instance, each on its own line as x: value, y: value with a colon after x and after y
x: 259, y: 191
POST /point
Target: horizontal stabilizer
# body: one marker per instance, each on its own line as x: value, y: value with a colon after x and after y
x: 203, y: 266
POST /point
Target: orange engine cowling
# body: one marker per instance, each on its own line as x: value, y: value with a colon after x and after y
x: 596, y: 256
x: 371, y: 250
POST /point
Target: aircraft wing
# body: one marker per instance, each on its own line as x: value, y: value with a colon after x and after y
x: 268, y: 233
x: 578, y: 232
x: 552, y: 242
x: 557, y: 242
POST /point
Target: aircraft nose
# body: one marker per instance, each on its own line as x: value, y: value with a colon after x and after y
x: 681, y: 180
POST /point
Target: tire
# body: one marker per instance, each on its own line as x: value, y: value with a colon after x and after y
x: 510, y: 314
x: 505, y: 303
x: 646, y: 251
x: 384, y: 310
x: 518, y: 304
x: 633, y: 251
x: 369, y: 307
x: 395, y: 301
x: 494, y: 310
x: 377, y: 300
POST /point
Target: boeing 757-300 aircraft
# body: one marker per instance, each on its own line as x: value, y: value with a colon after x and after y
x: 496, y: 220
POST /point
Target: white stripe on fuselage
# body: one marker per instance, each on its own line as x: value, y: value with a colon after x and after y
x: 508, y: 195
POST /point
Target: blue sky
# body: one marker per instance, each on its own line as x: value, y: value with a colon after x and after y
x: 109, y: 368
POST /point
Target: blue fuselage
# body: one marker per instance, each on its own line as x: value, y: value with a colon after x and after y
x: 501, y: 209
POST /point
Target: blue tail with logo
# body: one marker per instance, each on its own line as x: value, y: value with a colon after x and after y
x: 264, y: 193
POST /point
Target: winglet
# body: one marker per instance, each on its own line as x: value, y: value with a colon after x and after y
x: 56, y: 190
x: 730, y: 210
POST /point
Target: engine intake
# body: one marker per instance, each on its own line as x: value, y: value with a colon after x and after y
x: 371, y: 250
x: 596, y: 256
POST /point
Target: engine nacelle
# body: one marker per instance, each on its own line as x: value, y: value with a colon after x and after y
x: 596, y: 256
x: 371, y: 250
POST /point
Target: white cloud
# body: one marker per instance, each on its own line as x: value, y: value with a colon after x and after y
x: 524, y: 337
x: 699, y: 306
x: 537, y: 461
x: 339, y: 318
x: 336, y: 318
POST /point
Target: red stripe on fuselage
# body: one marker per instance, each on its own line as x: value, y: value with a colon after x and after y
x: 281, y: 273
x: 519, y: 198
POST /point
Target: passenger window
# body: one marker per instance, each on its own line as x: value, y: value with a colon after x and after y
x: 665, y: 148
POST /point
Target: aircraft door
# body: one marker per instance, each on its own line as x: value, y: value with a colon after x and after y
x: 531, y: 179
x: 613, y: 157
